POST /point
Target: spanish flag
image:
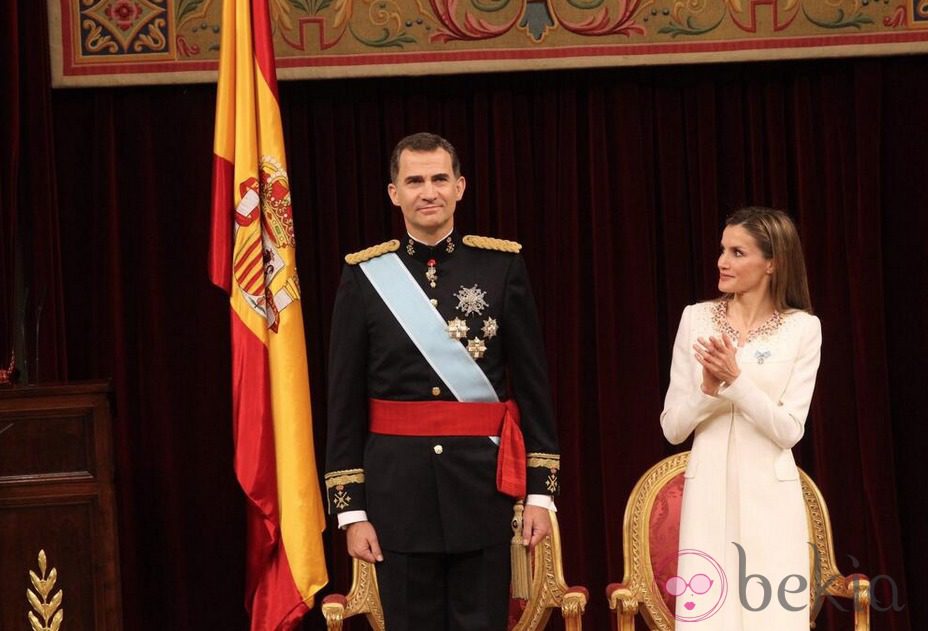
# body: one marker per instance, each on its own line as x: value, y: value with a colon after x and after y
x: 252, y: 257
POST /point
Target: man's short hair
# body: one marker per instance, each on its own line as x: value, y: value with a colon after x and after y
x: 422, y: 142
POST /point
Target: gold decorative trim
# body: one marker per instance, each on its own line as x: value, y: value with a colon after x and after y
x: 687, y: 33
x: 348, y: 476
x: 639, y: 575
x: 334, y: 614
x: 546, y: 461
x: 548, y: 585
x: 490, y: 243
x: 573, y: 606
x: 549, y: 592
x: 52, y: 614
x: 521, y: 579
x: 637, y: 585
x: 372, y: 252
x: 364, y: 596
x: 826, y: 579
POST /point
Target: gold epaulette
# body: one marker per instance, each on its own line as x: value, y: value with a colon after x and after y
x: 489, y: 243
x: 372, y: 252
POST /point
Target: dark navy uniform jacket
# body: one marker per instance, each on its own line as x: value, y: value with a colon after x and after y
x: 435, y: 494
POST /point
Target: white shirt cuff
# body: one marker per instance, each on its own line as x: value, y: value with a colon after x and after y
x: 350, y: 517
x: 542, y: 501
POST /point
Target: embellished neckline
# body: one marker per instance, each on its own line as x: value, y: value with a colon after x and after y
x: 722, y: 325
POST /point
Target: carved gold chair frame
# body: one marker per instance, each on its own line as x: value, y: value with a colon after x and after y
x: 548, y: 592
x: 639, y: 593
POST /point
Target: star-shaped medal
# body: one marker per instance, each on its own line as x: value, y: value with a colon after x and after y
x: 490, y: 328
x: 471, y: 300
x: 476, y: 348
x: 457, y: 329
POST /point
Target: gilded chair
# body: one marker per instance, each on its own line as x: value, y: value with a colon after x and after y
x: 650, y: 536
x: 545, y: 581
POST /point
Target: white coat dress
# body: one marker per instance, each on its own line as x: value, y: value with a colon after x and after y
x: 741, y: 484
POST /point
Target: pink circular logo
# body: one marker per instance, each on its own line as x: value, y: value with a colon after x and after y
x: 701, y: 589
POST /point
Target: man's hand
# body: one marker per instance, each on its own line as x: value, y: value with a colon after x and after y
x: 536, y: 525
x: 362, y: 542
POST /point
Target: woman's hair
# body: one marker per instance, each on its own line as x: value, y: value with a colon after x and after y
x: 778, y: 239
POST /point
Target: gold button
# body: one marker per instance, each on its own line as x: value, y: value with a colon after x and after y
x: 434, y: 302
x: 438, y: 449
x: 436, y: 391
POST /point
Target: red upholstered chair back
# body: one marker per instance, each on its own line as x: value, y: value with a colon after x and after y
x: 664, y: 536
x: 516, y: 609
x: 650, y: 544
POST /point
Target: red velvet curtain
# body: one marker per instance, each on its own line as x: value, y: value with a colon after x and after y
x: 9, y: 176
x: 615, y: 181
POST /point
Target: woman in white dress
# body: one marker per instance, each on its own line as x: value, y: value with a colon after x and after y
x: 742, y: 378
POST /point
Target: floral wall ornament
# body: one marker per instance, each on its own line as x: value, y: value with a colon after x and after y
x: 124, y: 13
x: 44, y: 604
x: 610, y: 18
x: 125, y: 26
x: 101, y: 42
x: 537, y: 20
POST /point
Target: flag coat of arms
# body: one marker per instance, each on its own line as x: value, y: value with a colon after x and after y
x: 252, y: 257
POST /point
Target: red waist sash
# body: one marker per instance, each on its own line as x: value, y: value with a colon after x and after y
x: 454, y: 418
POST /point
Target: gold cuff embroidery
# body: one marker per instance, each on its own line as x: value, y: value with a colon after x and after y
x: 545, y: 461
x: 551, y: 483
x: 342, y: 499
x: 340, y: 478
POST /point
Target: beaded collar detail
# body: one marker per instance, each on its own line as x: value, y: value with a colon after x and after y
x: 722, y: 325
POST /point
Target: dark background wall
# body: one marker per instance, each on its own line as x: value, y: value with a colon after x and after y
x: 615, y: 181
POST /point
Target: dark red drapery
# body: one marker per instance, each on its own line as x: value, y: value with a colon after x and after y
x: 615, y: 181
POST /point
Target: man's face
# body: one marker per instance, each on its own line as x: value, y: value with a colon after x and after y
x: 427, y: 191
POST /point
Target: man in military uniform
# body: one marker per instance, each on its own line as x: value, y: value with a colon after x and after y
x: 440, y: 415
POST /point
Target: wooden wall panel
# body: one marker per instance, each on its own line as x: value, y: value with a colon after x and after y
x: 56, y: 496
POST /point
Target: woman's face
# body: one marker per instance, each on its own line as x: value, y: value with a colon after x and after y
x: 742, y: 266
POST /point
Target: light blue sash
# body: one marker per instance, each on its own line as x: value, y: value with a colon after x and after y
x: 428, y: 330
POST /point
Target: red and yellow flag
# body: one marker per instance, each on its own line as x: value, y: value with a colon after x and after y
x: 252, y: 257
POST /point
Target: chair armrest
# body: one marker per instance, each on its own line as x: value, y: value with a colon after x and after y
x: 623, y: 601
x: 859, y: 587
x: 579, y: 590
x: 572, y: 607
x: 618, y: 594
x: 335, y: 599
x: 854, y: 583
x: 333, y: 608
